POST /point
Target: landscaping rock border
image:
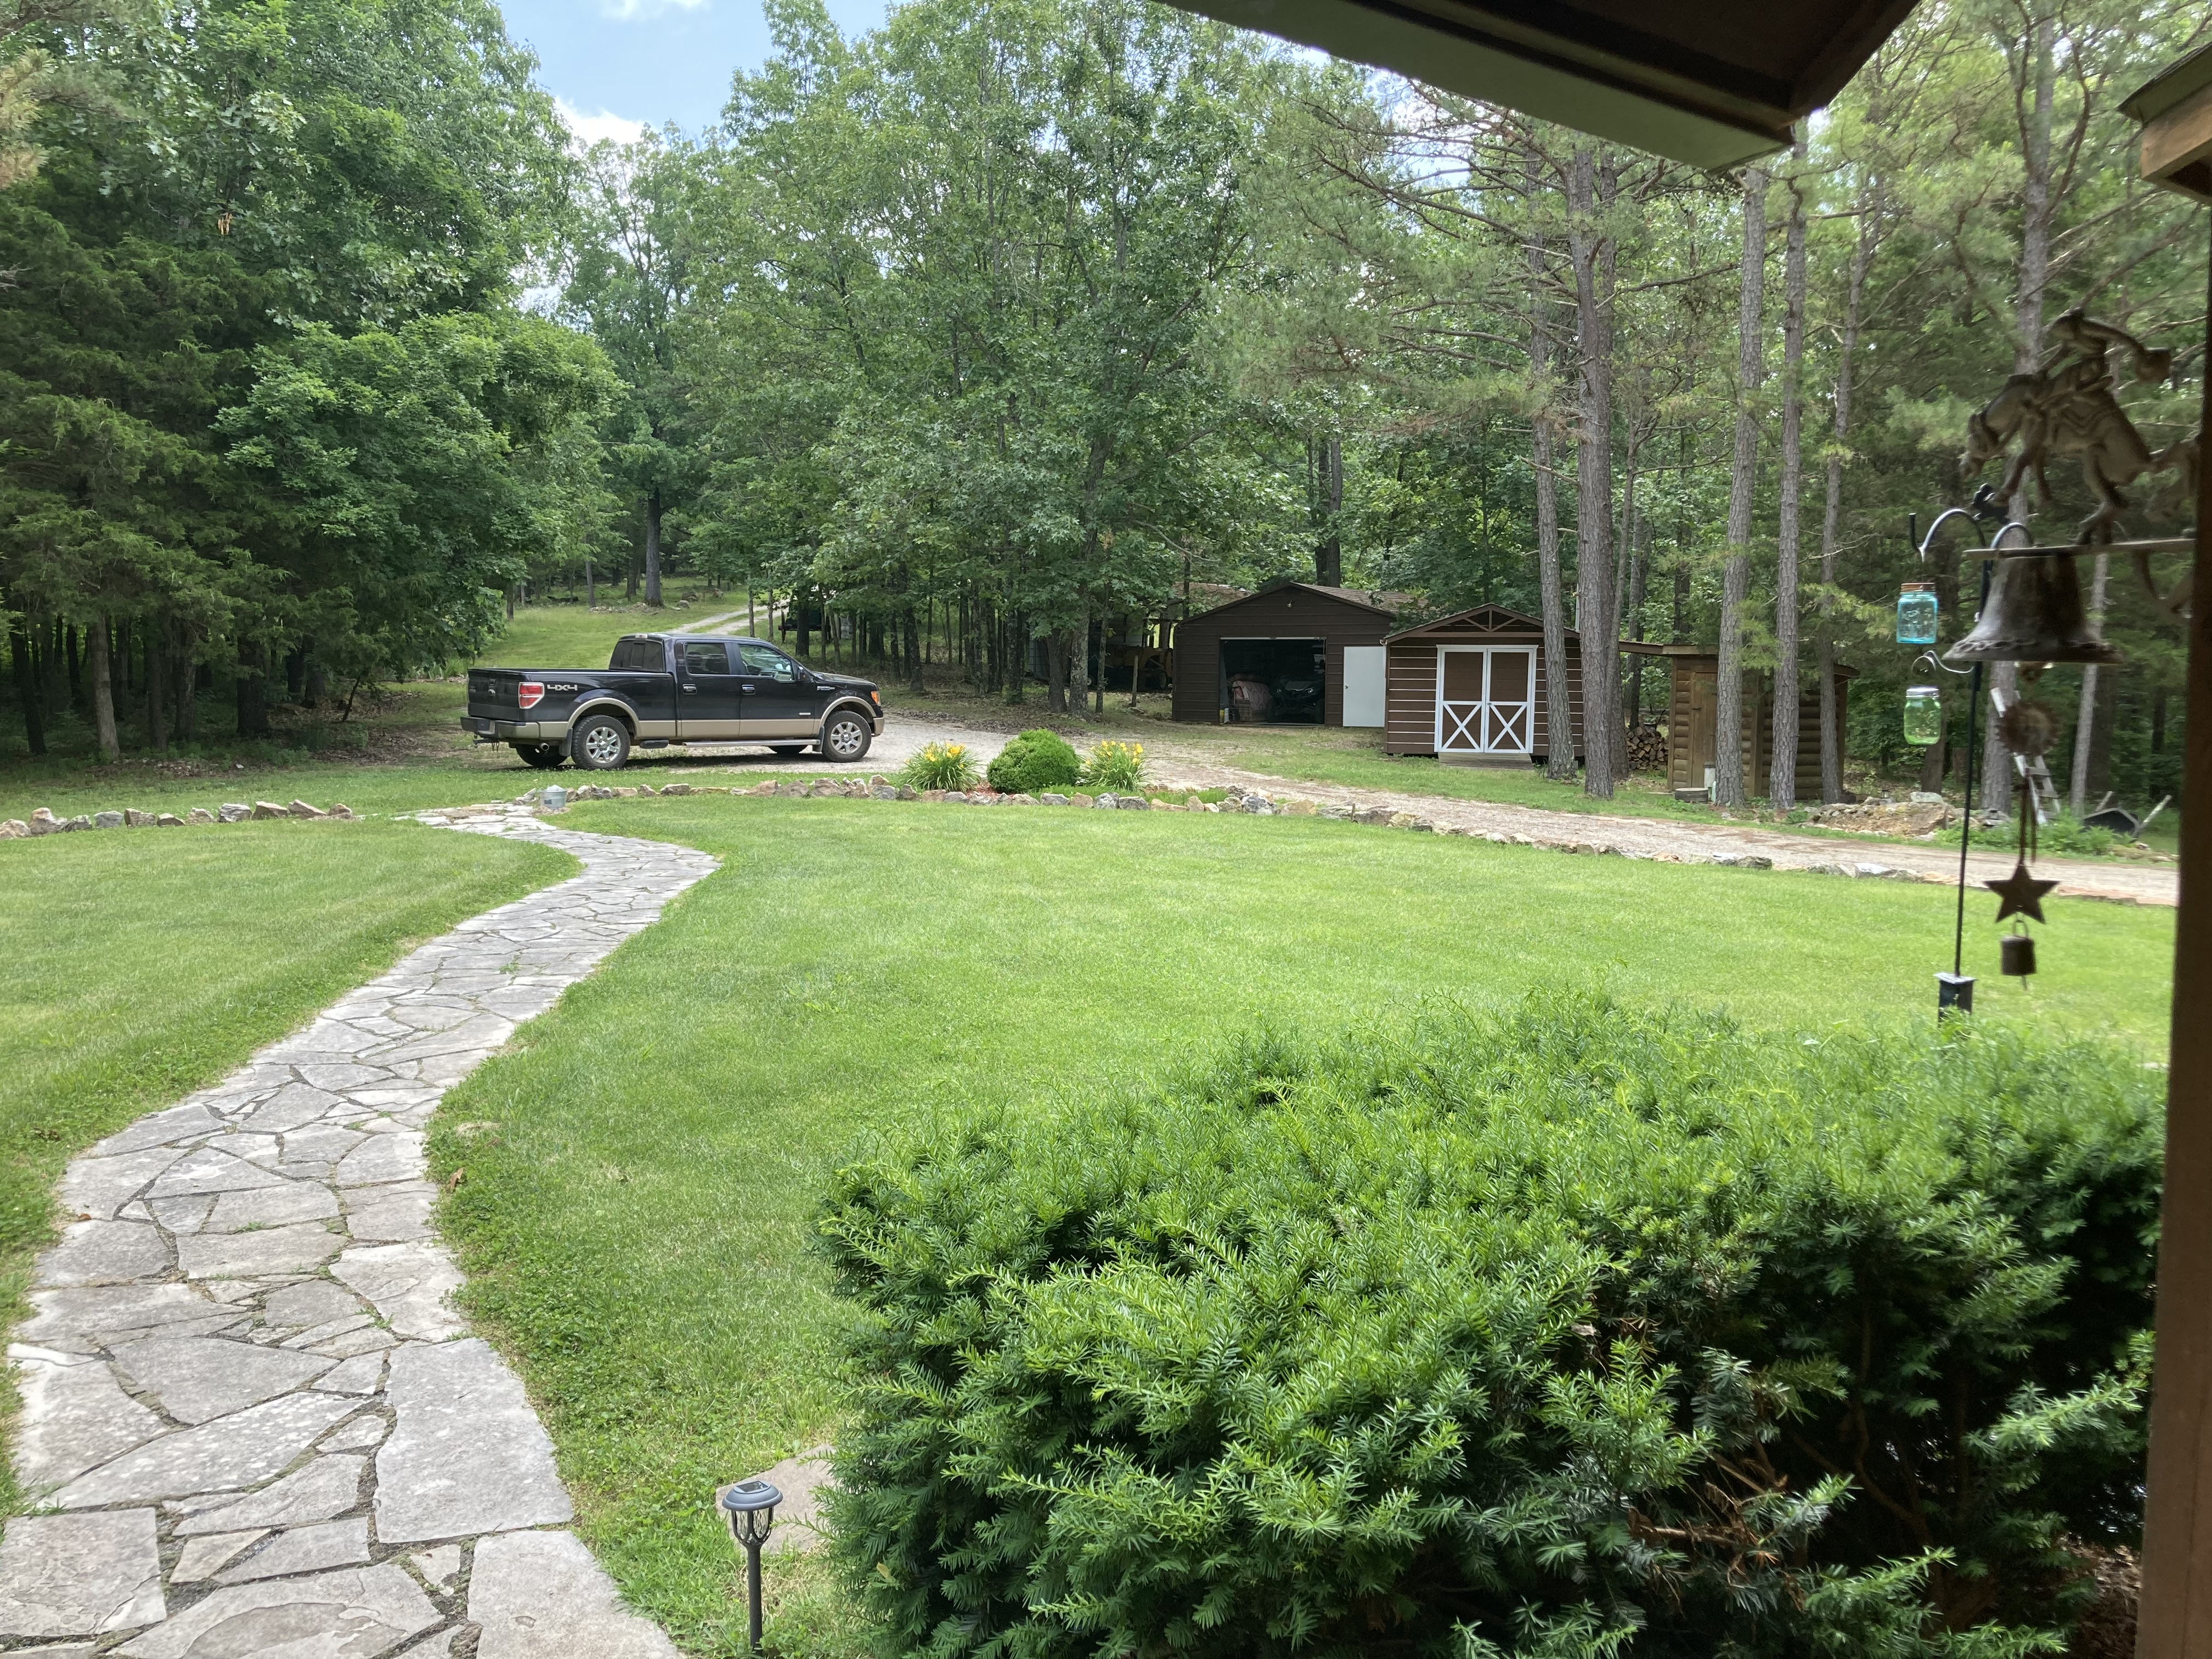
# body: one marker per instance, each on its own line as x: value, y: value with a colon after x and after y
x: 42, y: 821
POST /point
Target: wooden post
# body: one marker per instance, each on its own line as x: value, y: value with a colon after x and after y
x: 2175, y: 1620
x: 2174, y: 1617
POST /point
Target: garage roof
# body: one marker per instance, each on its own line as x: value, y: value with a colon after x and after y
x: 1713, y: 82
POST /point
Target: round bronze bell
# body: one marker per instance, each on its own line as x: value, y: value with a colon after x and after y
x: 2034, y: 614
x: 2016, y: 955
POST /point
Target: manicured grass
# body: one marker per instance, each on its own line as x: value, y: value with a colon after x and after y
x: 138, y: 965
x: 641, y: 1173
x: 570, y: 636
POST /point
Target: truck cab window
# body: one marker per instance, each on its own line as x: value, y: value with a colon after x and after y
x: 766, y: 659
x: 706, y: 657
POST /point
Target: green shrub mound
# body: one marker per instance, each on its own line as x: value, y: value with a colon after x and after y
x: 1034, y: 762
x: 1570, y: 1331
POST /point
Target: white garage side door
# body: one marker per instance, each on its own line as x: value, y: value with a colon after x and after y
x: 1363, y: 686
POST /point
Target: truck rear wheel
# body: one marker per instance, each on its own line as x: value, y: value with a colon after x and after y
x: 545, y: 757
x: 600, y: 742
x: 846, y: 735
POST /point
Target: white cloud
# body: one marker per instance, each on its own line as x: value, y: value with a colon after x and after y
x: 589, y: 129
x: 631, y: 10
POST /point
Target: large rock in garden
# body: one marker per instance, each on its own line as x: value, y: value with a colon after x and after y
x: 169, y: 821
x: 1888, y: 818
x: 233, y: 811
x: 300, y: 809
x: 108, y: 820
x: 43, y: 821
x: 199, y: 815
x: 270, y: 809
x: 15, y: 829
x: 137, y: 819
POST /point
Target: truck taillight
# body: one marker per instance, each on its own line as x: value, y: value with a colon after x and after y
x: 530, y: 694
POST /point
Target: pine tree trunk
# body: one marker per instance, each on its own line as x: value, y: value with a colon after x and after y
x: 1055, y: 671
x: 2085, y: 721
x: 26, y: 690
x: 1781, y: 774
x: 1080, y: 665
x: 186, y: 701
x: 1329, y: 551
x: 1590, y: 249
x: 1998, y: 779
x: 252, y: 703
x: 1832, y: 736
x: 1558, y: 707
x: 97, y: 669
x: 157, y: 682
x: 652, y: 549
x: 1729, y: 782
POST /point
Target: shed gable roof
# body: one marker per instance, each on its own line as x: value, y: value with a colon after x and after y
x: 1343, y: 596
x: 1482, y: 619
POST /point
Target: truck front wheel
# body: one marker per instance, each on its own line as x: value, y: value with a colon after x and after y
x: 846, y: 735
x: 600, y: 742
x: 545, y: 757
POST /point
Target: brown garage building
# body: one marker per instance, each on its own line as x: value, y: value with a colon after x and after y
x: 1277, y: 656
x: 1469, y: 689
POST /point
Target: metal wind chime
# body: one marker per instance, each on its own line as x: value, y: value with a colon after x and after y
x: 2032, y: 612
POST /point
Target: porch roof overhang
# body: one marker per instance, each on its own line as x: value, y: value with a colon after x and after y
x: 1711, y: 83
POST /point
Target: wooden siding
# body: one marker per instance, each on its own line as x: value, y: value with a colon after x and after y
x: 1283, y: 613
x: 1410, y: 686
x: 1692, y: 725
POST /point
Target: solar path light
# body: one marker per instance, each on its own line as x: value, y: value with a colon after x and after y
x: 749, y: 1510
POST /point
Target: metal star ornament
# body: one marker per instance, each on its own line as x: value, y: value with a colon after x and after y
x: 2021, y: 892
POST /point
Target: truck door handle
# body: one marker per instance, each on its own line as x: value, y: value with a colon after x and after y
x: 691, y: 687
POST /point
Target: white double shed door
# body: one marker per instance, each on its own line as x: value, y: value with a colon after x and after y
x: 1486, y: 699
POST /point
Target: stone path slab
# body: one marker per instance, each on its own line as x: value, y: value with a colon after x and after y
x: 253, y: 1419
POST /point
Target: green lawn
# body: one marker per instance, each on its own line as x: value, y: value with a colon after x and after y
x: 138, y: 965
x: 643, y: 1172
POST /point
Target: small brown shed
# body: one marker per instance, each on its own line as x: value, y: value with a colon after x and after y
x: 1277, y: 657
x: 1469, y: 689
x: 1693, y: 722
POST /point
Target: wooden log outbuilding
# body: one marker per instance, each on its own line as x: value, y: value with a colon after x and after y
x: 1694, y: 721
x: 1469, y: 689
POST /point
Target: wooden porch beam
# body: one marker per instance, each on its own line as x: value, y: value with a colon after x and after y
x: 2174, y: 1620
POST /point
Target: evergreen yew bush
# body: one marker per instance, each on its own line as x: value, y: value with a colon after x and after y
x: 1034, y: 762
x: 1573, y: 1331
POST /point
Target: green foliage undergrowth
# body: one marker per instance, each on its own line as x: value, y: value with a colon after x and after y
x: 1034, y: 762
x: 1575, y: 1330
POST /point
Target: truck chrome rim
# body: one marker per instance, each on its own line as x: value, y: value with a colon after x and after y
x: 603, y: 744
x: 845, y: 738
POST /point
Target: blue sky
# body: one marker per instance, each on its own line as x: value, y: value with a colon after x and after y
x: 619, y: 64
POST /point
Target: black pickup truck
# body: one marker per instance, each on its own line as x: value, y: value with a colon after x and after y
x: 660, y: 688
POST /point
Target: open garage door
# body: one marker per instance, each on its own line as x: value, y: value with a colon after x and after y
x: 1274, y: 682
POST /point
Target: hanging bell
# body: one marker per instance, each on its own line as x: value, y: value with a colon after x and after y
x: 2034, y: 614
x: 2016, y: 955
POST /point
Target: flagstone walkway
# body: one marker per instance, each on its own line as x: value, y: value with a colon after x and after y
x: 253, y: 1421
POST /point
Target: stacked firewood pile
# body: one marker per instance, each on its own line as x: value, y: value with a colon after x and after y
x: 1647, y: 750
